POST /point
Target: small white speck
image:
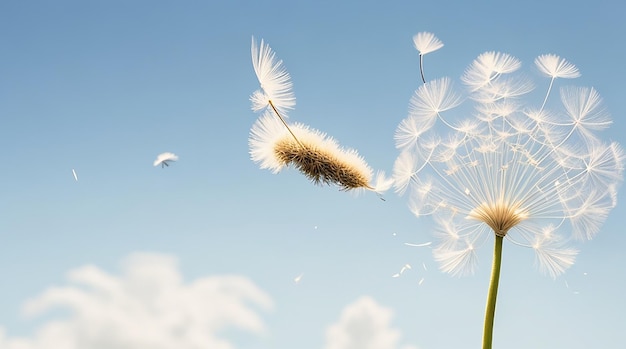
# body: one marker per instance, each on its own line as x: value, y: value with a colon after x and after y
x: 418, y: 245
x: 421, y: 281
x: 585, y: 274
x: 395, y: 275
x: 424, y: 265
x: 566, y: 284
x: 576, y: 292
x: 405, y: 267
x: 394, y: 234
x: 315, y: 227
x: 467, y: 191
x: 75, y: 176
x: 298, y: 278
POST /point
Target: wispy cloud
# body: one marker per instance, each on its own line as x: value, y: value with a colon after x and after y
x: 364, y: 324
x: 147, y: 306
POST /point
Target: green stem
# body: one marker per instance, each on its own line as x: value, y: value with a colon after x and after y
x: 490, y: 310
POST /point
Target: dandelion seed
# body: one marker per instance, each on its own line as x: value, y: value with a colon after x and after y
x: 314, y: 154
x: 420, y: 282
x: 395, y: 275
x: 276, y: 144
x: 164, y: 159
x: 75, y: 176
x: 298, y: 278
x: 425, y: 43
x: 424, y: 266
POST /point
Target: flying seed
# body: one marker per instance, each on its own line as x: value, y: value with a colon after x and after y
x: 164, y: 159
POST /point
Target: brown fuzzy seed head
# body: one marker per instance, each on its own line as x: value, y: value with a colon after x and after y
x: 500, y: 216
x: 319, y: 165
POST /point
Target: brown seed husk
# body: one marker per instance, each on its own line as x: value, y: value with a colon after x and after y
x: 319, y: 165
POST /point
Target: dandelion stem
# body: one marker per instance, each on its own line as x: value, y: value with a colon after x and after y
x: 284, y: 123
x: 490, y: 309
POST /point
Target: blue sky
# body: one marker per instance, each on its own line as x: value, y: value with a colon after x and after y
x: 104, y: 87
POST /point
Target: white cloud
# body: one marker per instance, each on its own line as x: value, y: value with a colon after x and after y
x: 147, y: 306
x: 363, y: 325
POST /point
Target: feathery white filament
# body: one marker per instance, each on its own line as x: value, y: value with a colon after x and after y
x: 426, y: 42
x: 275, y: 81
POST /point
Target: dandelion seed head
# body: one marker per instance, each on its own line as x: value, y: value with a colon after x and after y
x: 539, y: 176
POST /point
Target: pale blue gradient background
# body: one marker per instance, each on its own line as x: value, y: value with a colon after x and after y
x: 103, y: 87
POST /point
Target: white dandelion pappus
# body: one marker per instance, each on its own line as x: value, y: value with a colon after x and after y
x: 276, y: 86
x: 425, y: 107
x: 556, y: 67
x: 426, y: 42
x: 488, y: 67
x: 164, y: 159
x: 75, y: 176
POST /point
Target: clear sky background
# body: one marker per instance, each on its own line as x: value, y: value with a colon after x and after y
x: 211, y: 245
